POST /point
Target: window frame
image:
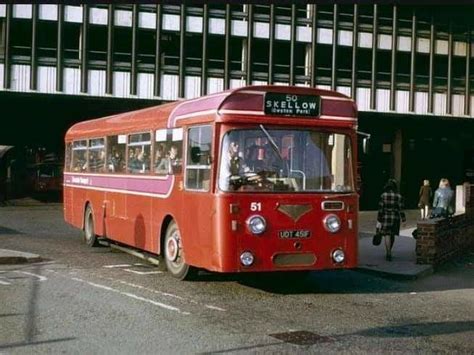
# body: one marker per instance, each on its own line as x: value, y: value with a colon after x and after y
x: 194, y: 166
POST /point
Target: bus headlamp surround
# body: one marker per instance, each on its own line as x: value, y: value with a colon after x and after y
x: 332, y: 223
x: 256, y: 224
x: 338, y: 256
x: 247, y: 258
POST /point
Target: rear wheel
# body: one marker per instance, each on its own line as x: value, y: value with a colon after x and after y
x: 174, y: 256
x: 89, y: 232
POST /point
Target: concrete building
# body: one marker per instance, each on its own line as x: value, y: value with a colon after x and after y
x: 409, y: 68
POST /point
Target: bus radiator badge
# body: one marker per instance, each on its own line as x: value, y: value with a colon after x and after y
x: 295, y: 212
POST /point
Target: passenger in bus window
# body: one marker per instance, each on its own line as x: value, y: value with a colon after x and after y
x: 97, y: 161
x: 141, y: 163
x: 159, y: 158
x: 133, y: 163
x: 115, y: 162
x: 171, y: 163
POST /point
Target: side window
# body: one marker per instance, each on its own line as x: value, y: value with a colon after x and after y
x: 168, y: 151
x: 68, y: 157
x: 97, y: 155
x: 198, y: 159
x: 139, y: 149
x: 79, y: 156
x: 116, y: 153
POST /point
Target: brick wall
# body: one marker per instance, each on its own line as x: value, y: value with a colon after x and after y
x: 442, y: 239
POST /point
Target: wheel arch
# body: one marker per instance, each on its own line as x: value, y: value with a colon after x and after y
x: 164, y: 226
x: 83, y: 220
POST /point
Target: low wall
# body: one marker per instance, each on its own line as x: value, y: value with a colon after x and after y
x: 442, y: 239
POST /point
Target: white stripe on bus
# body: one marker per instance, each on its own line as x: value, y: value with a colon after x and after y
x: 128, y: 192
x: 194, y: 114
x: 155, y: 177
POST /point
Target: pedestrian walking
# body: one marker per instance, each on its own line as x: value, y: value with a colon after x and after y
x: 389, y: 216
x: 425, y: 199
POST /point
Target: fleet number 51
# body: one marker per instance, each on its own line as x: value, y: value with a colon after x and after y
x: 255, y: 206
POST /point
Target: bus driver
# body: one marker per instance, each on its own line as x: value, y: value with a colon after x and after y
x: 232, y: 166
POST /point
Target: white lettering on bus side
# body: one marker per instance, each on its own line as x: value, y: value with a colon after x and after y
x: 80, y: 180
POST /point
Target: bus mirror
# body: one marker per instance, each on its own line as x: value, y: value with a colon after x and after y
x: 365, y: 145
x: 195, y: 154
x: 200, y: 157
x: 365, y: 141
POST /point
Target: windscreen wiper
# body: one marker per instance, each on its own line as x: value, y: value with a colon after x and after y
x: 274, y: 146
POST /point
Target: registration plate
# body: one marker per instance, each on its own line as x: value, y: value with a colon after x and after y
x: 293, y: 234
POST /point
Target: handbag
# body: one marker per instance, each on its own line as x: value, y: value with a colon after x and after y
x: 377, y: 238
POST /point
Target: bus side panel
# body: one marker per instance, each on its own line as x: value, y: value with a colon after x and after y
x: 226, y: 241
x: 68, y: 203
x: 137, y: 232
x: 78, y: 198
x: 96, y: 199
x: 116, y: 216
x: 197, y: 229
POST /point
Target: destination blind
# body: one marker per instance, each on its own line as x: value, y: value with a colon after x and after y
x: 291, y: 104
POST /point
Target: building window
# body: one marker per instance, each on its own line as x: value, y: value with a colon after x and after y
x: 215, y: 52
x: 2, y: 36
x: 122, y: 45
x: 20, y: 33
x: 170, y: 50
x: 47, y: 39
x: 193, y: 51
x: 97, y: 42
x: 146, y: 47
x: 72, y: 34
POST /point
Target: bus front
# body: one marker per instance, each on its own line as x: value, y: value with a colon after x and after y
x: 285, y: 186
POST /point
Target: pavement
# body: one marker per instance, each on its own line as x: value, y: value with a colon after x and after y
x: 17, y: 257
x: 371, y: 258
x: 403, y: 264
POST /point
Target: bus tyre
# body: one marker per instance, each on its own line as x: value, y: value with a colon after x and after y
x: 89, y: 232
x: 174, y: 257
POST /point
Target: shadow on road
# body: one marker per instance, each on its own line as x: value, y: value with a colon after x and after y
x: 454, y: 275
x: 417, y: 330
x: 30, y: 343
x: 5, y: 230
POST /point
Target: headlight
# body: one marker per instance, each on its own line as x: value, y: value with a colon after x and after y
x: 332, y: 223
x: 338, y: 256
x: 257, y: 224
x: 246, y: 258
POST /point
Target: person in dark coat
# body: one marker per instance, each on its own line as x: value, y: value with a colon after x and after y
x: 425, y: 197
x: 389, y: 215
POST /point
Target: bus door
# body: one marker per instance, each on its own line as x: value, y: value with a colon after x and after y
x: 197, y: 200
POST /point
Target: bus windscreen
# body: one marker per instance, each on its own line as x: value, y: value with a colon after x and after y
x: 268, y: 160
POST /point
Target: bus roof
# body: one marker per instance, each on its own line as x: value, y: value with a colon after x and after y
x: 220, y: 107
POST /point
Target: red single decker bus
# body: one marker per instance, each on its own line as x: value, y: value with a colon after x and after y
x: 259, y: 178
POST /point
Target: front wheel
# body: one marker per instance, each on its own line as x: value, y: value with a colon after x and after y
x: 89, y: 232
x: 174, y: 256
